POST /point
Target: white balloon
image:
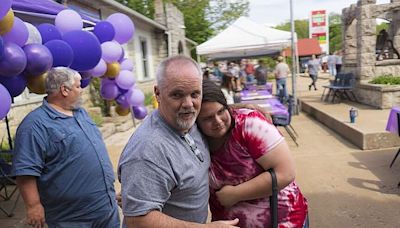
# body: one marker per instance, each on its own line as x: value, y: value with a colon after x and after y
x: 34, y: 34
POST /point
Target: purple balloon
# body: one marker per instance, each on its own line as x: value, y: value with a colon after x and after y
x: 14, y: 60
x: 5, y: 101
x: 107, y: 81
x: 122, y: 56
x: 4, y: 7
x: 18, y: 34
x: 122, y: 101
x: 86, y: 49
x: 111, y: 51
x: 139, y: 112
x: 85, y: 74
x: 15, y: 84
x: 61, y: 51
x: 99, y: 70
x: 104, y: 31
x: 1, y: 48
x: 125, y: 79
x: 68, y: 20
x: 123, y: 25
x: 48, y: 32
x: 39, y: 59
x: 126, y: 64
x: 85, y: 82
x: 135, y: 97
x: 109, y: 91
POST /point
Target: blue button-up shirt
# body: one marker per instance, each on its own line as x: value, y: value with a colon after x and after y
x: 67, y: 154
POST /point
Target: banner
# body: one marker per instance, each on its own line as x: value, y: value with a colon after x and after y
x: 319, y: 28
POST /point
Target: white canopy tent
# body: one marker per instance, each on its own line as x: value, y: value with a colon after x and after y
x: 245, y: 38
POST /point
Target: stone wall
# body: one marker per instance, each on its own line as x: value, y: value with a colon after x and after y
x: 359, y: 50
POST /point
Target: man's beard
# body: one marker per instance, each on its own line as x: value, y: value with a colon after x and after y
x: 186, y: 124
x: 77, y: 104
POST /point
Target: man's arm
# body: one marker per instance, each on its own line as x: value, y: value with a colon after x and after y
x: 158, y: 219
x: 30, y: 194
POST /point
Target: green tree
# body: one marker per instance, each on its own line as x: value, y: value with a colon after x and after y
x: 145, y: 7
x: 381, y: 26
x: 335, y: 32
x: 300, y: 27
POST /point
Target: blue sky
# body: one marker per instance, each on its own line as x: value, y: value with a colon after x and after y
x: 274, y: 12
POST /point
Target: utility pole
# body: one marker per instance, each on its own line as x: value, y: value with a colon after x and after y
x: 294, y: 63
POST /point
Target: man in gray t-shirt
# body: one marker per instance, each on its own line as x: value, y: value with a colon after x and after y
x: 164, y: 167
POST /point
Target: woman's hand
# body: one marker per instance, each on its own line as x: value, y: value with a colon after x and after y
x: 226, y: 196
x: 118, y: 197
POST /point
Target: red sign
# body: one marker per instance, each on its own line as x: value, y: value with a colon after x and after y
x: 318, y: 18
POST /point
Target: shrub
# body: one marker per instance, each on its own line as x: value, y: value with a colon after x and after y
x: 386, y: 80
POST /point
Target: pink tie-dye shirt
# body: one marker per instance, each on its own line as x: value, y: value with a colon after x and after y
x: 235, y: 163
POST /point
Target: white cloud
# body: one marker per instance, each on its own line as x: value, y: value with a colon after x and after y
x: 274, y: 12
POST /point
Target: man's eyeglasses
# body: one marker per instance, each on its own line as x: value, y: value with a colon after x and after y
x: 190, y: 141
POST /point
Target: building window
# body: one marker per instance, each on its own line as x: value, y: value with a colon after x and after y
x: 145, y: 60
x: 180, y: 47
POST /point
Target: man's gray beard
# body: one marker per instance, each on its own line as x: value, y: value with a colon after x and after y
x: 77, y: 104
x: 185, y: 125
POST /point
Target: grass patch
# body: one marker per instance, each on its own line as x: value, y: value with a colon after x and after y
x: 386, y: 80
x: 97, y: 119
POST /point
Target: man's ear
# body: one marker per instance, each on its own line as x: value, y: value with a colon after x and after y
x: 64, y: 91
x: 157, y: 93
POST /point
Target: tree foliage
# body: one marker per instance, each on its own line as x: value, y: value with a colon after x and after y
x: 335, y: 32
x: 300, y: 27
x: 145, y: 7
x: 203, y: 18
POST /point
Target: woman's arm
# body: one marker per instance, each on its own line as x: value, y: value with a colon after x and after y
x: 260, y: 186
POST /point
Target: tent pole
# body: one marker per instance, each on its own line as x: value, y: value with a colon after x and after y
x: 294, y: 70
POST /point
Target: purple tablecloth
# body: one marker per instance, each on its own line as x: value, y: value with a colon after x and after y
x: 271, y: 104
x: 254, y: 87
x: 392, y: 124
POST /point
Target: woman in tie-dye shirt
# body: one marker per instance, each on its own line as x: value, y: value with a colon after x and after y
x: 243, y: 145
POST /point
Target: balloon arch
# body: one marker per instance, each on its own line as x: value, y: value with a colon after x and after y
x: 27, y: 52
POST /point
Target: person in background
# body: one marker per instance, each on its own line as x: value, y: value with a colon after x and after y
x: 313, y: 68
x: 261, y: 73
x: 206, y: 74
x: 163, y: 169
x: 243, y: 146
x: 226, y: 87
x: 61, y: 164
x: 234, y: 69
x: 332, y: 64
x: 250, y: 70
x: 338, y: 62
x: 281, y: 73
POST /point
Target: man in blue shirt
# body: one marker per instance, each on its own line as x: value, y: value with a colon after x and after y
x: 61, y: 163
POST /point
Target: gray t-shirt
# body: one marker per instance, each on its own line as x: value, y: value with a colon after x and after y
x: 159, y: 171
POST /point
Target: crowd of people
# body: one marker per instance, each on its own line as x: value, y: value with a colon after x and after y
x: 193, y: 151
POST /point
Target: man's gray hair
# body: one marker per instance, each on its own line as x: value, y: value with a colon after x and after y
x: 162, y: 68
x: 59, y: 76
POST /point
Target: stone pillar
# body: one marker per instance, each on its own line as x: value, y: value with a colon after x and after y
x: 366, y: 2
x: 366, y: 41
x: 395, y: 29
x: 176, y: 26
x: 159, y: 12
x: 349, y: 39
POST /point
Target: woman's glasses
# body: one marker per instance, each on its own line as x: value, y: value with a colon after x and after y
x: 190, y: 141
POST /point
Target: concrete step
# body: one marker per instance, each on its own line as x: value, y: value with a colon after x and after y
x: 367, y: 133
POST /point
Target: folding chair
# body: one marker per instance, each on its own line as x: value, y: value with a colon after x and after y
x: 8, y: 188
x: 284, y: 121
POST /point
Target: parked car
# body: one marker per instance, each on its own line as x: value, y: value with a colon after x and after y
x: 303, y: 63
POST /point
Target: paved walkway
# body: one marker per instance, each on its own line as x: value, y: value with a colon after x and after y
x: 345, y: 186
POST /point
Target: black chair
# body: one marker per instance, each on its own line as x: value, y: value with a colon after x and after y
x: 284, y: 121
x: 342, y: 87
x: 8, y: 187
